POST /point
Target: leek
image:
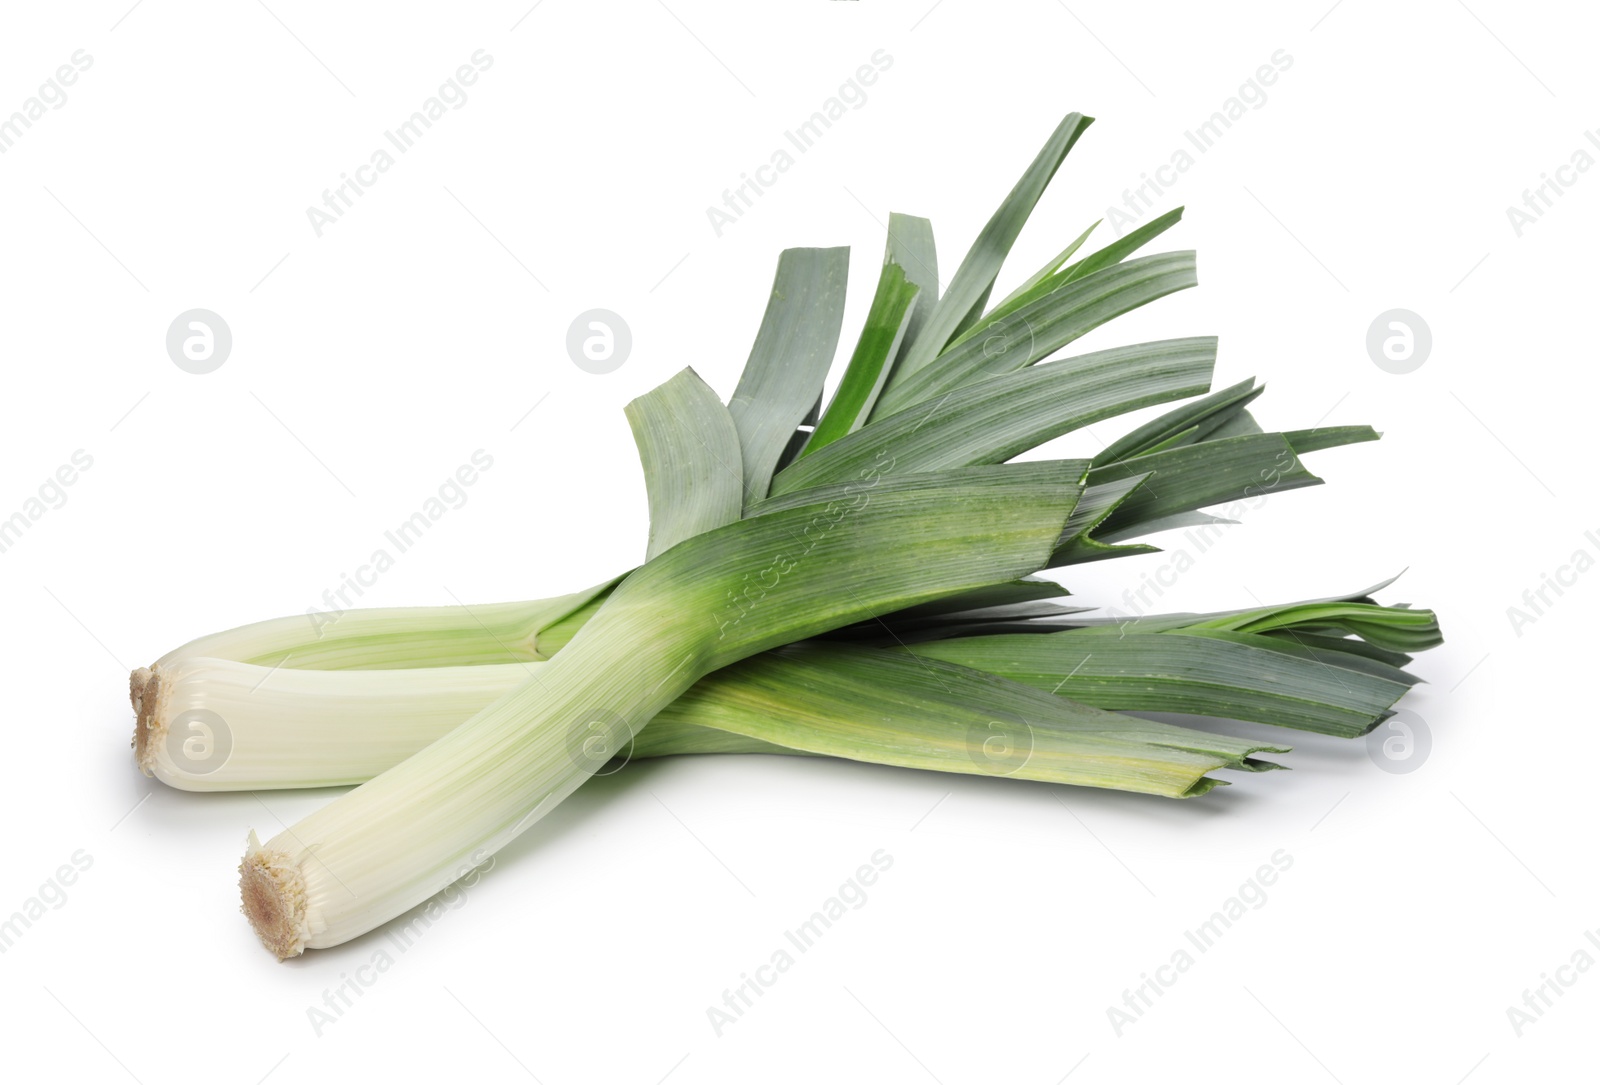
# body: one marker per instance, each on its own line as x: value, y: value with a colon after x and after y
x: 308, y: 728
x: 374, y: 852
x: 855, y: 582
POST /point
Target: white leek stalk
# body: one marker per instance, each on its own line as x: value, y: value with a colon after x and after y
x: 399, y: 636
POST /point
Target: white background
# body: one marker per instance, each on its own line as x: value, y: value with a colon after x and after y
x: 430, y: 320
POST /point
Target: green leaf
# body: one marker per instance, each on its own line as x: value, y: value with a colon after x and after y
x: 1025, y: 292
x: 1311, y: 440
x: 789, y: 360
x: 1042, y: 326
x: 1123, y: 247
x: 1341, y: 653
x: 911, y: 246
x: 1241, y: 424
x: 1054, y: 275
x: 1027, y: 599
x: 793, y: 571
x: 887, y: 320
x: 857, y: 491
x: 1398, y: 629
x: 1188, y: 477
x: 1204, y: 673
x: 891, y: 708
x: 893, y: 630
x: 1351, y: 652
x: 975, y: 278
x: 1029, y: 589
x: 690, y: 452
x: 990, y: 421
x: 797, y: 443
x: 1394, y: 628
x: 1188, y: 420
x: 1078, y: 543
x: 1191, y: 477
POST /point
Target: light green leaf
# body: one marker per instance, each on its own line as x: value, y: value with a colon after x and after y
x: 911, y: 246
x: 890, y: 708
x: 1394, y: 628
x: 1025, y: 292
x: 690, y: 452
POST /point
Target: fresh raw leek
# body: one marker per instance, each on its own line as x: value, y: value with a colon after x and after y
x: 308, y: 728
x: 396, y: 840
x: 855, y: 582
x: 323, y: 728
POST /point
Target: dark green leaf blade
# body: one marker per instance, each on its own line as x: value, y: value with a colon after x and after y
x: 992, y: 420
x: 893, y: 306
x: 1187, y: 419
x: 1192, y: 477
x: 1122, y: 248
x: 975, y: 278
x: 1043, y: 326
x: 1054, y: 275
x: 1228, y: 676
x: 789, y: 360
x: 1313, y: 440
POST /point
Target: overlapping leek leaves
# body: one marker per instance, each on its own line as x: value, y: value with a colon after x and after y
x: 852, y: 582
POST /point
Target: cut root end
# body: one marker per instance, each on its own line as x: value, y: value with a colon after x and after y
x: 273, y: 895
x: 145, y: 690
